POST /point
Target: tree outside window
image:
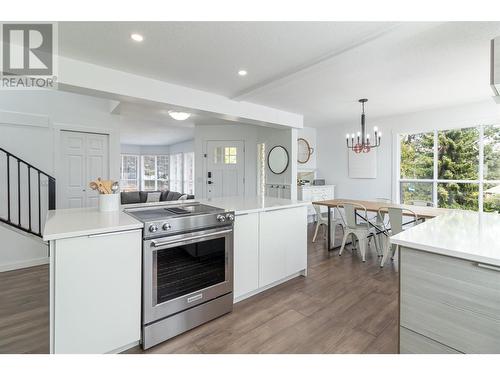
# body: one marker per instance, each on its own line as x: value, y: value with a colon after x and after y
x: 129, y: 173
x: 444, y: 168
x: 155, y: 172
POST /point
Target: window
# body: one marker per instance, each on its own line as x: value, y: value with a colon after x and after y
x: 457, y: 168
x: 158, y: 172
x: 129, y: 173
x: 230, y: 154
x: 226, y: 155
x: 176, y: 172
x: 154, y: 172
x: 188, y: 173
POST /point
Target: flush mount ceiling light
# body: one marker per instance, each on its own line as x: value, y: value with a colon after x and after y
x: 179, y: 116
x: 363, y: 143
x: 136, y: 37
x: 242, y: 73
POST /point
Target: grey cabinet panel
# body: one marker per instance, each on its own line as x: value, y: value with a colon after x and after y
x: 451, y: 301
x: 413, y: 343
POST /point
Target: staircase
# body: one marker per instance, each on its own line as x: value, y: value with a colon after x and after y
x: 26, y: 193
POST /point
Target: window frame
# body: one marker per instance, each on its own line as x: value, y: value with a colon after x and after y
x: 138, y: 169
x: 435, y: 180
x: 178, y: 176
x: 155, y: 179
x: 185, y: 181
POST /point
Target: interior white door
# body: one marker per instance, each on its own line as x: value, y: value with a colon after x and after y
x: 84, y: 158
x: 225, y: 173
x: 97, y: 164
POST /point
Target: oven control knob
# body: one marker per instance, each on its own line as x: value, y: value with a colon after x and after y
x: 230, y: 217
x: 153, y: 228
x: 166, y: 226
x: 221, y: 218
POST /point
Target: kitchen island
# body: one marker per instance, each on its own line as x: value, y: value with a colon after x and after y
x: 95, y: 280
x: 450, y: 284
x: 270, y: 241
x: 96, y: 266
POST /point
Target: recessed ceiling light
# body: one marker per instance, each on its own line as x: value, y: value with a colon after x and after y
x: 242, y: 73
x: 137, y: 37
x: 179, y: 116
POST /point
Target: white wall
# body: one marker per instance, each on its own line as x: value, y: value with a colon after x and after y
x: 30, y: 123
x: 251, y: 135
x: 144, y: 150
x: 332, y: 151
x: 187, y: 146
x: 288, y: 139
x: 236, y: 132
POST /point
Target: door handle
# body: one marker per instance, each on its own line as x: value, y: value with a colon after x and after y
x: 155, y: 243
x: 209, y: 182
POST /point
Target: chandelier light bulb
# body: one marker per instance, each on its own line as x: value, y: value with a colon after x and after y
x: 362, y: 142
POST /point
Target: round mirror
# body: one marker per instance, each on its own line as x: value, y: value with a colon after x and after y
x: 304, y: 151
x: 277, y: 160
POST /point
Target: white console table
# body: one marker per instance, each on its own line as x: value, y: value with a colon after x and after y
x: 311, y: 193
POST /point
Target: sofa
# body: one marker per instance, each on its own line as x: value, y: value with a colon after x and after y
x: 133, y: 197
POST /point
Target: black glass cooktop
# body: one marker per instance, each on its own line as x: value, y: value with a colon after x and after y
x: 162, y: 212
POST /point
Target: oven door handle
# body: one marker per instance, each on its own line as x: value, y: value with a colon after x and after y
x: 155, y: 243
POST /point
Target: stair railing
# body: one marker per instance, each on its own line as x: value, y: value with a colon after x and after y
x: 12, y: 163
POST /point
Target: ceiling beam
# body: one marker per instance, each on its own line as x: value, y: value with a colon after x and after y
x: 288, y: 75
x: 90, y: 79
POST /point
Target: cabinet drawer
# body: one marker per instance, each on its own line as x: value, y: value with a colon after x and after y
x: 451, y: 301
x: 413, y: 343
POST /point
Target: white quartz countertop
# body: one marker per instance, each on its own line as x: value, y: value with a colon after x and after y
x: 245, y: 205
x: 461, y: 234
x: 74, y: 222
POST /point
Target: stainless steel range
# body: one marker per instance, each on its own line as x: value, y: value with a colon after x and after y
x: 187, y: 268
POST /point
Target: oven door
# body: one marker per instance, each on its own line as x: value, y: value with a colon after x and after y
x: 186, y: 270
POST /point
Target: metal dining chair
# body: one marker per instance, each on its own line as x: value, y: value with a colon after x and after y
x: 396, y: 226
x: 361, y: 232
x: 378, y: 220
x: 322, y: 219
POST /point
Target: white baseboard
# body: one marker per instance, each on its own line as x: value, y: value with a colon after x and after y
x: 23, y: 264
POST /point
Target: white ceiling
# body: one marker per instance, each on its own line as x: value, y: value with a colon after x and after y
x: 318, y: 69
x: 149, y: 124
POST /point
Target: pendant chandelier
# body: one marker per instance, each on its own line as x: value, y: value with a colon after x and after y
x: 363, y: 143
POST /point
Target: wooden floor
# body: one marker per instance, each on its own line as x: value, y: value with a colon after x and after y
x: 24, y: 310
x: 342, y: 306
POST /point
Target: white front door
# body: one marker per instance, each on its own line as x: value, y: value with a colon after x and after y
x: 225, y: 173
x: 84, y: 158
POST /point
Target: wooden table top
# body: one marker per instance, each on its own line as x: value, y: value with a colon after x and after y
x: 374, y: 206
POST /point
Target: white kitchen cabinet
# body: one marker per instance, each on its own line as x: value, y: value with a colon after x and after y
x: 246, y: 254
x: 96, y: 292
x: 311, y: 193
x: 282, y: 244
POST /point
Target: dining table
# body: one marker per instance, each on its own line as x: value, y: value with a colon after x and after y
x: 422, y: 212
